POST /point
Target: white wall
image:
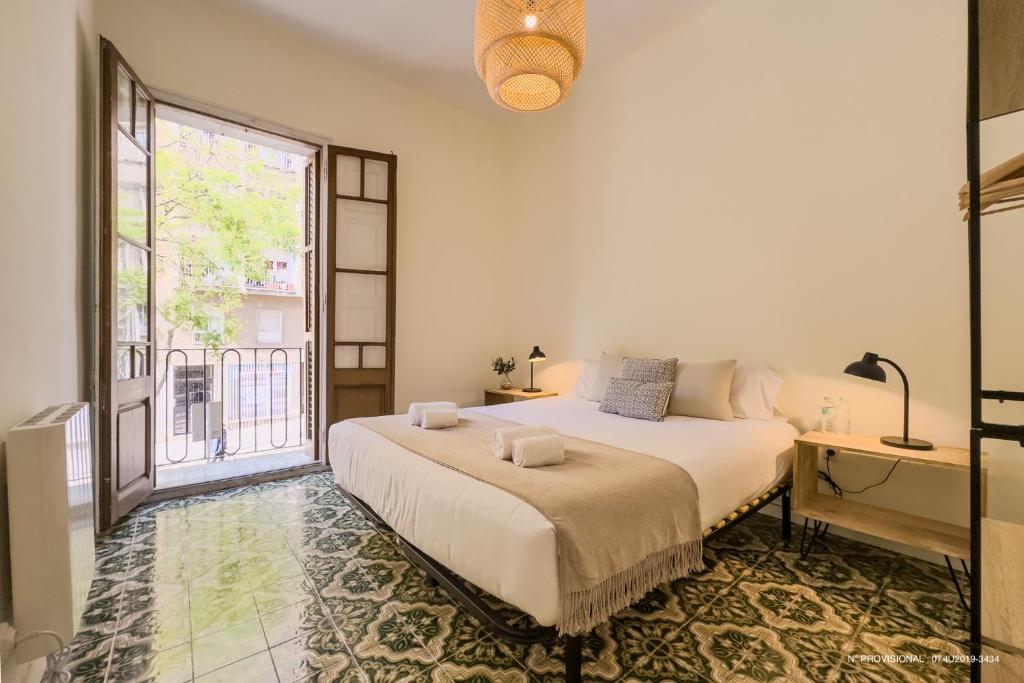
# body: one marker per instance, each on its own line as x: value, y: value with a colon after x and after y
x: 48, y: 57
x: 771, y: 182
x: 449, y: 166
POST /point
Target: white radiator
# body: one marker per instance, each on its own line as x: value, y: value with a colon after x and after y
x: 50, y: 504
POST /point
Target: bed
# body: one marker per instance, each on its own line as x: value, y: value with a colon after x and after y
x: 501, y: 544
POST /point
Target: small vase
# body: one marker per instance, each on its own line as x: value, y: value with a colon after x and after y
x: 506, y: 383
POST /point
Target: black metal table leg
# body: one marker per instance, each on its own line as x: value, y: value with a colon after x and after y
x: 956, y: 582
x: 573, y: 659
x: 818, y: 531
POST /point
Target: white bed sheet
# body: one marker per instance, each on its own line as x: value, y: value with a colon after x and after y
x: 505, y: 546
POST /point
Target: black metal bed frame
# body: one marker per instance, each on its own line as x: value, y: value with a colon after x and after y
x: 456, y: 587
x: 980, y: 429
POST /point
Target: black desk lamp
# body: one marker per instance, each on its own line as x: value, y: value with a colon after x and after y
x: 868, y: 368
x: 536, y: 356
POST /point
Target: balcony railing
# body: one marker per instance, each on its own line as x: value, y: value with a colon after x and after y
x: 275, y: 281
x: 219, y: 403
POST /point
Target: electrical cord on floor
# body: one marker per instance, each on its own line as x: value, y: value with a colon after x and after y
x: 56, y: 662
x: 838, y: 490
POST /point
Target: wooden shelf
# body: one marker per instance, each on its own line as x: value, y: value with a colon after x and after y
x: 942, y: 456
x: 892, y: 525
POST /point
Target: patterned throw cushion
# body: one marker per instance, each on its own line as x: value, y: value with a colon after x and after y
x: 633, y: 398
x: 646, y: 370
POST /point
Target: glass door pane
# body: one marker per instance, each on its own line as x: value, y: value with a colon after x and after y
x: 348, y: 170
x: 375, y: 179
x: 362, y: 242
x: 361, y: 309
x: 132, y: 190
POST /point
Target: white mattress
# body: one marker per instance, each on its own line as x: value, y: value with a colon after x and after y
x: 505, y: 546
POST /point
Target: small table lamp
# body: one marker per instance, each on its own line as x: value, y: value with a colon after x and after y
x: 536, y: 356
x: 868, y: 368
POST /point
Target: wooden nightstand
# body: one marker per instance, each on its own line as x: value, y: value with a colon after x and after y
x: 496, y: 396
x: 944, y: 538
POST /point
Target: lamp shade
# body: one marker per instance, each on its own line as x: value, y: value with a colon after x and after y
x: 537, y: 355
x: 867, y: 367
x: 530, y: 52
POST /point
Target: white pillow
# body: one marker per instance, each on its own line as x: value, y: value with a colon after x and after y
x: 584, y: 380
x: 609, y: 366
x: 754, y: 391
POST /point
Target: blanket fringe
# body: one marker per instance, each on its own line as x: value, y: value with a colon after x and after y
x: 584, y: 610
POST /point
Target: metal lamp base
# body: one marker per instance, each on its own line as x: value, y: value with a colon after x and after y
x: 531, y: 390
x: 912, y: 444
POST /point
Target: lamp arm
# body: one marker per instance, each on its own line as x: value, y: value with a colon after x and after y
x: 906, y: 397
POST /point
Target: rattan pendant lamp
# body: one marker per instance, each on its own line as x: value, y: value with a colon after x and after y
x: 530, y: 52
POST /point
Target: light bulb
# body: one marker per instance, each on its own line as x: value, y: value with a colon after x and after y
x: 530, y: 21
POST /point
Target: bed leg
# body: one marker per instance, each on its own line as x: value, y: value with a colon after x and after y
x: 573, y: 659
x: 787, y: 521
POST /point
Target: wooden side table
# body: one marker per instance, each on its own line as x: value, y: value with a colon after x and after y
x: 944, y: 538
x: 496, y: 396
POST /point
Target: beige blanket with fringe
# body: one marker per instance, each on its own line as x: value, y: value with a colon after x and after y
x: 624, y: 522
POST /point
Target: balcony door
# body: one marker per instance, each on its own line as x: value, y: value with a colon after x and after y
x: 360, y: 255
x: 126, y: 246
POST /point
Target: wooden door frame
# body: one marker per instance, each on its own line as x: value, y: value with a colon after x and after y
x: 331, y: 197
x: 317, y: 149
x: 107, y: 343
x: 107, y: 291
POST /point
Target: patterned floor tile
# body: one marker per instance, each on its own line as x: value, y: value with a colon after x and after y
x: 161, y: 628
x: 265, y: 569
x: 274, y: 596
x: 288, y: 579
x: 352, y: 618
x: 442, y: 628
x: 136, y: 660
x: 213, y: 610
x: 89, y: 662
x: 99, y: 619
x: 227, y: 646
x: 315, y: 656
x: 489, y: 653
x: 258, y: 668
x: 746, y: 653
x: 676, y: 659
x: 604, y: 656
x: 295, y: 620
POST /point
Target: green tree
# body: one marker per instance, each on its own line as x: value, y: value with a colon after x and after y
x: 220, y: 208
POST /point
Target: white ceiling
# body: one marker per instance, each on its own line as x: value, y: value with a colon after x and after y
x: 435, y: 37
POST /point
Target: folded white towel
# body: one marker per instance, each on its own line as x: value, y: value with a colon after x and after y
x: 538, y: 451
x: 502, y: 438
x: 439, y: 418
x: 416, y: 410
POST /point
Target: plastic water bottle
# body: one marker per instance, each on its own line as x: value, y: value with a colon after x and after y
x: 828, y: 416
x: 843, y: 417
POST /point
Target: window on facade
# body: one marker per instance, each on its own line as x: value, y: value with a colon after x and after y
x: 215, y: 326
x: 269, y: 326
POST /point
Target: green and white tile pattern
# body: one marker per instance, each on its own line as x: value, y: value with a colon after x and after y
x: 286, y: 582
